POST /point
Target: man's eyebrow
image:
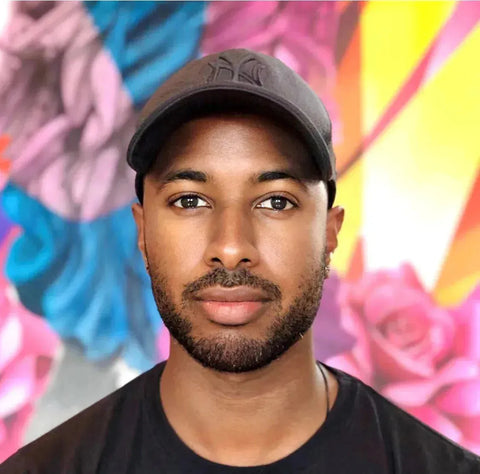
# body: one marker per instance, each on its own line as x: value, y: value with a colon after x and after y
x: 278, y: 174
x: 201, y: 177
x: 188, y: 174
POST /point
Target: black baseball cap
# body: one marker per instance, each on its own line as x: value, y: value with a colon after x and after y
x: 236, y: 80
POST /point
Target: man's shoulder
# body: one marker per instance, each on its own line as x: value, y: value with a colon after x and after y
x: 83, y: 435
x: 411, y: 442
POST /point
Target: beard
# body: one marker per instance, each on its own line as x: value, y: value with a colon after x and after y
x: 237, y: 353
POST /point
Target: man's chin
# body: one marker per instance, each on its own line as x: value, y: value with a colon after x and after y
x: 233, y: 354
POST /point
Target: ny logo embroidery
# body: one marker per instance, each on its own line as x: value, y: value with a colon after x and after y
x: 248, y: 70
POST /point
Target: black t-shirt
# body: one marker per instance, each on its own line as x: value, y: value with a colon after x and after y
x: 128, y: 432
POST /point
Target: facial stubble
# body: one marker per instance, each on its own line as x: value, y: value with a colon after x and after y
x: 232, y: 352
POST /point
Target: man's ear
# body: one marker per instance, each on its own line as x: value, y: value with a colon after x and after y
x: 335, y: 217
x: 137, y: 211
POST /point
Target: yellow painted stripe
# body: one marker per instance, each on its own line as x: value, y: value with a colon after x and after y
x: 395, y: 36
x: 420, y: 171
x: 458, y: 291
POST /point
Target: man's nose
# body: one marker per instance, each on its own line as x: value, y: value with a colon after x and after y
x: 231, y: 240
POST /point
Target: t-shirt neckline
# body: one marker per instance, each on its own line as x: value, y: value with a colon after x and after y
x: 298, y: 460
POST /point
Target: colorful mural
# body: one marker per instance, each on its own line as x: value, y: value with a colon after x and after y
x: 400, y: 80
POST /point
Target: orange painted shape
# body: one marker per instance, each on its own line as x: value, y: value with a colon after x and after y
x: 461, y: 272
x: 357, y: 266
x: 471, y: 215
x: 341, y: 5
x: 348, y: 98
x: 461, y: 269
x: 4, y: 162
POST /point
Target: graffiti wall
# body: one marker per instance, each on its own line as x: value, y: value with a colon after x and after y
x: 401, y: 310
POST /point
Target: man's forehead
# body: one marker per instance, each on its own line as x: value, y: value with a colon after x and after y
x: 249, y: 141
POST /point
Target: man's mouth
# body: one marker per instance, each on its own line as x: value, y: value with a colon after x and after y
x: 232, y: 306
x: 231, y: 313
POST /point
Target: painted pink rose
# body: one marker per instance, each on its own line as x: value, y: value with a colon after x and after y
x: 27, y: 349
x: 424, y: 358
x: 449, y: 400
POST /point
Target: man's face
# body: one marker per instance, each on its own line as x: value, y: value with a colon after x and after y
x: 234, y: 232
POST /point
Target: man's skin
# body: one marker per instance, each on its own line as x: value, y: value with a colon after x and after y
x: 258, y: 416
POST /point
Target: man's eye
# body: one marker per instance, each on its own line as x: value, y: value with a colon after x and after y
x: 190, y: 201
x: 277, y: 203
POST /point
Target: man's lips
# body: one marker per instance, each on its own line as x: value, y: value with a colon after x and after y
x: 231, y: 313
x: 237, y: 294
x: 232, y: 306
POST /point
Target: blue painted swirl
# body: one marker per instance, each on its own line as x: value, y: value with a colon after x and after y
x: 86, y: 278
x: 149, y: 41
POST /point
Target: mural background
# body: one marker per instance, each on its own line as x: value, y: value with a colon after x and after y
x: 401, y: 82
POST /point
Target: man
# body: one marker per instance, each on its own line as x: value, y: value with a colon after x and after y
x: 236, y: 225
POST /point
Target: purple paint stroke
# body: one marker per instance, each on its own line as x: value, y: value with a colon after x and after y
x: 5, y: 226
x: 66, y: 110
x: 329, y: 336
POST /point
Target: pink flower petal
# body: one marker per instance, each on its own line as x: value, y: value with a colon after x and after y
x: 348, y: 364
x: 433, y: 418
x: 38, y: 338
x: 419, y: 392
x: 394, y: 364
x: 387, y: 299
x: 16, y: 386
x: 463, y: 398
x: 467, y: 316
x: 3, y: 434
x: 406, y: 273
x: 470, y: 427
x: 471, y: 446
x: 10, y: 339
x: 361, y: 350
x: 16, y: 427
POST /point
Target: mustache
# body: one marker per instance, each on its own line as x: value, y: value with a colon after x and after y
x: 221, y: 277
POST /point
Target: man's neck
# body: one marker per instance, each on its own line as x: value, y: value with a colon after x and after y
x: 250, y: 418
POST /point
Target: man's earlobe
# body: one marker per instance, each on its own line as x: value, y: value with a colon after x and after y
x: 137, y: 211
x: 335, y: 218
